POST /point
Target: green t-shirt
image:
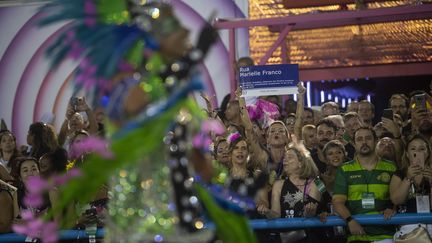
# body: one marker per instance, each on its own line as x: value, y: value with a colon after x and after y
x: 354, y: 182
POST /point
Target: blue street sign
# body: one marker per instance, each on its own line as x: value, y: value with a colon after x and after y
x: 265, y: 80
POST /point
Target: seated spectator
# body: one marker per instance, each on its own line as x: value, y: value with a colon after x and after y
x: 8, y: 150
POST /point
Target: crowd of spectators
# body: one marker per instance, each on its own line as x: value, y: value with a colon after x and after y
x: 319, y: 162
x: 329, y: 161
x: 46, y: 154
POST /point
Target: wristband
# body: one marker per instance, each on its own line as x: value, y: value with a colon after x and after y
x: 348, y: 219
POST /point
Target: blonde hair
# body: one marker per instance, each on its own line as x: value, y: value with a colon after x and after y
x: 308, y: 168
x: 278, y: 122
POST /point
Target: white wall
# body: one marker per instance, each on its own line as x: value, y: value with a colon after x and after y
x: 29, y: 89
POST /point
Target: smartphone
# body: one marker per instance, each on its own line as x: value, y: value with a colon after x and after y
x: 388, y: 113
x: 420, y: 101
x: 75, y: 101
x: 419, y: 158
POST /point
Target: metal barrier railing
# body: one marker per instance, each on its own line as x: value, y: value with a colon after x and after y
x: 283, y: 223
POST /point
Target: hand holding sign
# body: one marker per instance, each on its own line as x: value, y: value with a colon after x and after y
x: 238, y: 92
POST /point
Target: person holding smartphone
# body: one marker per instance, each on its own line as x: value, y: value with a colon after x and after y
x: 75, y: 120
x: 414, y: 176
x: 421, y: 115
x: 410, y: 187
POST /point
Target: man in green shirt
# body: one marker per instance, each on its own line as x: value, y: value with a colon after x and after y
x: 362, y: 187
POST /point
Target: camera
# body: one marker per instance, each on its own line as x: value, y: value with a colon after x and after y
x: 75, y: 101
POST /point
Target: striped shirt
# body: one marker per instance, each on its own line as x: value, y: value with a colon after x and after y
x: 353, y: 181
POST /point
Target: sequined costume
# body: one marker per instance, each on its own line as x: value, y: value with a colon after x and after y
x: 113, y: 37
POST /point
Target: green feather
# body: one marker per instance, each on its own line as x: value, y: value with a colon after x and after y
x: 128, y: 150
x: 112, y: 12
x: 231, y: 227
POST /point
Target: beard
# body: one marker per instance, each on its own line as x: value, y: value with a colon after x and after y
x: 368, y: 151
x: 387, y: 154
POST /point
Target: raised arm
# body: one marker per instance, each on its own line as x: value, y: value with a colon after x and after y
x: 83, y: 106
x: 399, y: 188
x: 299, y: 112
x: 210, y: 109
x: 259, y: 156
x: 64, y: 130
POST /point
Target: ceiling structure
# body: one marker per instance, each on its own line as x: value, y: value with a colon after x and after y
x: 338, y: 39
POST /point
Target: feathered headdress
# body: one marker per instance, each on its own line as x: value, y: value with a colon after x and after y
x: 231, y: 138
x: 109, y: 37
